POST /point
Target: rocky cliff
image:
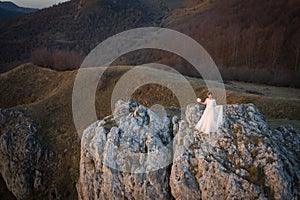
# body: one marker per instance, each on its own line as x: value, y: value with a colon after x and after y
x: 139, y: 154
x: 23, y: 161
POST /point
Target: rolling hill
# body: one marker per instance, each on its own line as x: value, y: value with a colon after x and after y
x: 45, y: 96
x: 243, y: 37
x: 249, y: 40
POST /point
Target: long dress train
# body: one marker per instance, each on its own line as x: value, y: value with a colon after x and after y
x: 212, y: 117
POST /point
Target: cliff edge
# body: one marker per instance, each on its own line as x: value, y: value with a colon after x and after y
x: 139, y: 153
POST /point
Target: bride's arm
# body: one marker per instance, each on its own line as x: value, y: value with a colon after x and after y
x: 203, y: 103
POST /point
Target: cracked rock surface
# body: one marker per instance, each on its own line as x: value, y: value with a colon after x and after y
x: 20, y: 154
x: 138, y: 154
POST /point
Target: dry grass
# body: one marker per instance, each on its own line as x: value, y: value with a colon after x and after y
x: 47, y: 95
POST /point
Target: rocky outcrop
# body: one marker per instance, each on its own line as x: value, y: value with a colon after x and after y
x: 242, y: 161
x: 129, y: 160
x: 138, y: 154
x: 20, y: 154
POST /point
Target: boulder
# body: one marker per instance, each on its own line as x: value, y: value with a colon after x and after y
x: 138, y: 154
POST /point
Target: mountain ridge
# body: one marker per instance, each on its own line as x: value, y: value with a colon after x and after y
x: 240, y: 36
x: 9, y: 9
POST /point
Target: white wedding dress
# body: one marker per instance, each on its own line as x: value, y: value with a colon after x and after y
x: 212, y: 117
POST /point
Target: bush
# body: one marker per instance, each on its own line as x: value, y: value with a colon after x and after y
x: 58, y: 59
x: 42, y: 57
x: 67, y: 60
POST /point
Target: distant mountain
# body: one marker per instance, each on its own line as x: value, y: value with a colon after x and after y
x: 9, y: 9
x: 249, y: 41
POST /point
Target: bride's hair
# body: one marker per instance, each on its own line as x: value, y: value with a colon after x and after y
x: 209, y: 93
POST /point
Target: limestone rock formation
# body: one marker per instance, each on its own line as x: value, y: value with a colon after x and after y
x: 115, y: 159
x: 245, y: 160
x: 19, y: 154
x: 137, y: 154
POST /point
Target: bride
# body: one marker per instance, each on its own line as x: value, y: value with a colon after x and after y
x: 212, y: 116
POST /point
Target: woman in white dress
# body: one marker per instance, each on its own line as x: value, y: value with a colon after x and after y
x: 212, y: 116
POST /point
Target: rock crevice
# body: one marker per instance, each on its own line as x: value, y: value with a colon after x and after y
x: 21, y: 154
x: 138, y: 154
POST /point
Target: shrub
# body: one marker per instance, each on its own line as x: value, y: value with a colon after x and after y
x: 57, y: 59
x: 42, y: 57
x: 67, y: 60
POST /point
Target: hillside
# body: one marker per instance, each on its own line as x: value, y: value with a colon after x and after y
x: 69, y: 26
x: 256, y: 45
x: 243, y: 37
x: 45, y: 96
x: 31, y: 86
x: 9, y: 9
